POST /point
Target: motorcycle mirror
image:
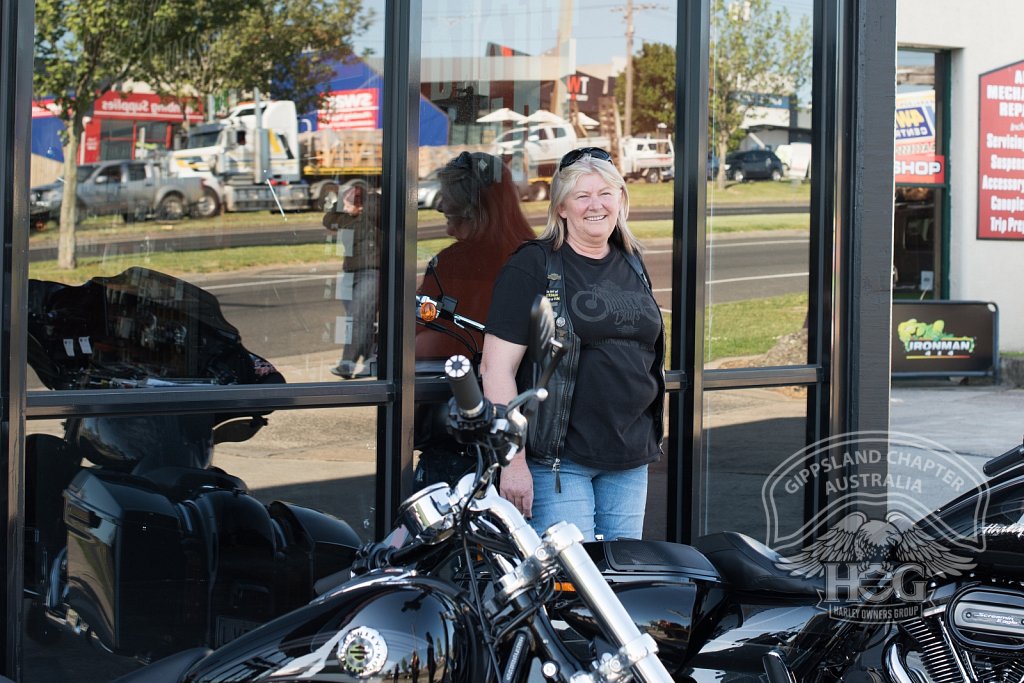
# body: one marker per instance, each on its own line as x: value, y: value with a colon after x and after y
x: 238, y: 430
x: 542, y: 329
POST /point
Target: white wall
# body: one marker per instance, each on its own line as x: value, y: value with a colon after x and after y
x: 981, y: 36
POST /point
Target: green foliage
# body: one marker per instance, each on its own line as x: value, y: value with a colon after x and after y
x: 83, y: 49
x: 654, y: 79
x: 755, y: 51
x: 283, y: 48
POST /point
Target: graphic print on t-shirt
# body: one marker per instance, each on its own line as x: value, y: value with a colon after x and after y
x: 622, y: 307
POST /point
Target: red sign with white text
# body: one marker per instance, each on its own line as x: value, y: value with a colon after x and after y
x: 920, y: 169
x: 351, y: 109
x: 1001, y: 153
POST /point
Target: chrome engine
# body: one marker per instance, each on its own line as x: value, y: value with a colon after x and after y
x: 969, y: 633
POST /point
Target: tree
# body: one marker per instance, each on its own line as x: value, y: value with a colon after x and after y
x: 756, y: 52
x: 285, y: 48
x: 83, y: 49
x: 654, y: 77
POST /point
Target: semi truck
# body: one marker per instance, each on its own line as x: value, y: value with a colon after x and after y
x: 263, y: 162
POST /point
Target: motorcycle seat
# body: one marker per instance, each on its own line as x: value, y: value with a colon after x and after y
x: 748, y: 564
x: 179, y: 483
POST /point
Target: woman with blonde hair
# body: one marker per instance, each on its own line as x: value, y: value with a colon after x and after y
x: 592, y: 440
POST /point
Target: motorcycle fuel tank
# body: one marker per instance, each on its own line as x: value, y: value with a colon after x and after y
x: 383, y: 627
x: 671, y: 591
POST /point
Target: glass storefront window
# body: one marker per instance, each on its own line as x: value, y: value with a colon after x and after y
x: 748, y: 434
x: 758, y: 173
x: 506, y: 91
x: 158, y: 556
x: 254, y: 211
x: 920, y: 130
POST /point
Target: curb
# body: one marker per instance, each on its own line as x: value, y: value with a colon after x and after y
x: 1011, y: 371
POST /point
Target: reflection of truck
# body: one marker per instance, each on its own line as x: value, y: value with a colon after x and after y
x: 135, y: 189
x: 256, y: 160
x: 651, y: 159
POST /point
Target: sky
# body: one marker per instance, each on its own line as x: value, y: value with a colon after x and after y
x: 462, y: 28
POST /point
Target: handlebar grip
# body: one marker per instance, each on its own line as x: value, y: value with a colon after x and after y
x: 461, y: 378
x: 1005, y: 461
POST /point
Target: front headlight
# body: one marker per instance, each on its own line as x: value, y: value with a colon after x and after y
x: 52, y: 195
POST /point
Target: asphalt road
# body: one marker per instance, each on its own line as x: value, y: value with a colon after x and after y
x: 284, y: 312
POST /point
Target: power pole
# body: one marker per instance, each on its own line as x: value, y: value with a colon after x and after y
x: 628, y: 130
x: 627, y: 127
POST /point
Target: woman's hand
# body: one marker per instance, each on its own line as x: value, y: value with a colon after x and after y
x: 517, y: 485
x: 498, y: 367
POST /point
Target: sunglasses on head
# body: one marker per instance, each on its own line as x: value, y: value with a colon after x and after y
x: 575, y: 155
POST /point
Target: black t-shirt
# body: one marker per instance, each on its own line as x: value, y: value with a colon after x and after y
x: 618, y: 323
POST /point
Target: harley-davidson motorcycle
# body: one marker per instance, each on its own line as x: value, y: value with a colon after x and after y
x: 133, y: 537
x: 464, y: 590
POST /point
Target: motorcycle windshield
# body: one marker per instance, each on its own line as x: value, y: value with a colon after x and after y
x: 138, y: 328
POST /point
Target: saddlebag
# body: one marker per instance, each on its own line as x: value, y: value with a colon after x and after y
x: 128, y: 561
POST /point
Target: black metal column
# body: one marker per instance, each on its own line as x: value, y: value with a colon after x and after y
x: 867, y: 77
x: 16, y: 18
x: 685, y: 466
x: 397, y: 324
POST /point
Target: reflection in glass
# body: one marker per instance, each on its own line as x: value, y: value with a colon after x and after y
x: 531, y: 83
x: 917, y: 271
x: 163, y: 558
x: 758, y: 170
x: 231, y: 201
x: 748, y: 434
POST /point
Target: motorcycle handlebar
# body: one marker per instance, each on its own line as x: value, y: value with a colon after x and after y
x: 1005, y: 461
x: 465, y: 389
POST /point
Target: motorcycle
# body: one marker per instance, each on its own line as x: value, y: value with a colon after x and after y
x: 133, y: 538
x: 464, y: 590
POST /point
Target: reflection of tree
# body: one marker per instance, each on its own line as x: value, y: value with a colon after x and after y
x: 756, y: 53
x: 284, y: 47
x: 82, y: 50
x: 654, y: 73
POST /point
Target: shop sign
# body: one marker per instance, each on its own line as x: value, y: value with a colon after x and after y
x: 944, y: 338
x: 920, y: 169
x: 1001, y: 153
x: 915, y: 161
x: 351, y: 109
x: 141, y: 107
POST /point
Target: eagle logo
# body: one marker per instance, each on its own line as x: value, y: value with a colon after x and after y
x: 875, y: 545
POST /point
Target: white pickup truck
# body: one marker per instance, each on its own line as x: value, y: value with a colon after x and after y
x: 647, y: 158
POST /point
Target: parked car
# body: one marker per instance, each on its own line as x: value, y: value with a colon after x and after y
x: 134, y: 189
x: 428, y: 191
x: 712, y: 166
x: 753, y: 164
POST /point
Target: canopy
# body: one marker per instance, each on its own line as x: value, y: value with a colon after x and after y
x: 501, y: 116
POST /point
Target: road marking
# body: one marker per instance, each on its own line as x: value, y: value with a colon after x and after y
x: 281, y: 281
x: 741, y: 279
x: 768, y: 243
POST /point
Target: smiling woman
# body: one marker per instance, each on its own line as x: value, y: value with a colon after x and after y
x: 587, y: 458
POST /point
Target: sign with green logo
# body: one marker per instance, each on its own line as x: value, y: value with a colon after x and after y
x: 944, y: 338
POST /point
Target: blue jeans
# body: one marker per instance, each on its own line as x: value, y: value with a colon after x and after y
x: 607, y: 503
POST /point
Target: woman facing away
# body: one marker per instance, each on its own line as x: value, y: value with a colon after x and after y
x: 592, y: 440
x: 480, y: 203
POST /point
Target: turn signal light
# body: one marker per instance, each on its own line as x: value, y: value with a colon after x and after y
x: 428, y: 311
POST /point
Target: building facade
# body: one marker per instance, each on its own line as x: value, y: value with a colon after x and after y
x: 950, y: 53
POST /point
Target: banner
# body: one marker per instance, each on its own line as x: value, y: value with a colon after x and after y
x: 944, y: 338
x: 1001, y: 153
x: 915, y: 159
